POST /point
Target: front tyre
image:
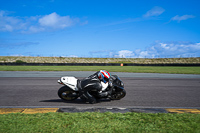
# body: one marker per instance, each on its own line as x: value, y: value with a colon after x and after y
x: 67, y: 94
x: 118, y: 95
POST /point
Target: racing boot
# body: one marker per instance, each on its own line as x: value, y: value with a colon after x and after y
x: 92, y: 100
x: 88, y: 98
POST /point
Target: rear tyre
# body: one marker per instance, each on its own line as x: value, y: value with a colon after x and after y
x: 118, y: 95
x: 67, y: 94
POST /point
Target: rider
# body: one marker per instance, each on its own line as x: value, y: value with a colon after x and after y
x: 94, y: 82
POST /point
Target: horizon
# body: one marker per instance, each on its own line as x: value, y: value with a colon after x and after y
x: 102, y: 57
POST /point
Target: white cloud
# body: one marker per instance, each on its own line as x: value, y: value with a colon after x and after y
x: 74, y: 56
x: 56, y: 21
x: 155, y: 11
x: 157, y: 50
x: 8, y: 23
x: 180, y: 18
x: 35, y: 24
x: 125, y: 54
x: 161, y: 49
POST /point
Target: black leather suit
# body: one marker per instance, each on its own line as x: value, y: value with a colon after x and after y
x: 90, y: 83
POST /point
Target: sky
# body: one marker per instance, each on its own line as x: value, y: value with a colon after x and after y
x: 100, y: 28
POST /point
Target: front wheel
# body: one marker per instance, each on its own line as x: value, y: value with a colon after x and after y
x: 67, y: 94
x: 118, y: 95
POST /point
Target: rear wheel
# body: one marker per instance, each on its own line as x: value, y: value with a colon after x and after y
x: 118, y: 95
x: 67, y: 94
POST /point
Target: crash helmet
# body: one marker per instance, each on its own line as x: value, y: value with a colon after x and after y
x: 104, y: 76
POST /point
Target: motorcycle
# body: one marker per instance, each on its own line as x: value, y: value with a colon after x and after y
x: 70, y: 90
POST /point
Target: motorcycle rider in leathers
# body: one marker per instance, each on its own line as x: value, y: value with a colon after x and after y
x: 94, y: 82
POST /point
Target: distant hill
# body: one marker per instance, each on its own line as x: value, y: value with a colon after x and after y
x: 27, y: 59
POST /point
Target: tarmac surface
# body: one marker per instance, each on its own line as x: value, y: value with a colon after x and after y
x: 146, y: 92
x: 87, y: 73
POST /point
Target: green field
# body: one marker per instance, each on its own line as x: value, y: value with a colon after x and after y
x: 132, y: 69
x: 99, y: 123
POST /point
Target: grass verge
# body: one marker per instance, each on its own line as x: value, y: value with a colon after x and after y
x: 132, y: 69
x: 99, y: 122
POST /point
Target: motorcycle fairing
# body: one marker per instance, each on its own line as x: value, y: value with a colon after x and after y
x: 69, y: 81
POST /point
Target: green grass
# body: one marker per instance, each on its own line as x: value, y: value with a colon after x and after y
x: 96, y: 122
x: 132, y: 69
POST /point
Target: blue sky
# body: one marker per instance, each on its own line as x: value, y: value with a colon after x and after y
x: 100, y: 28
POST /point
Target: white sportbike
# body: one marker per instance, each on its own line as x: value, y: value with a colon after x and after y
x: 70, y: 90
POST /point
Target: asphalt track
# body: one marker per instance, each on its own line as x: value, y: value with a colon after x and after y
x: 153, y: 92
